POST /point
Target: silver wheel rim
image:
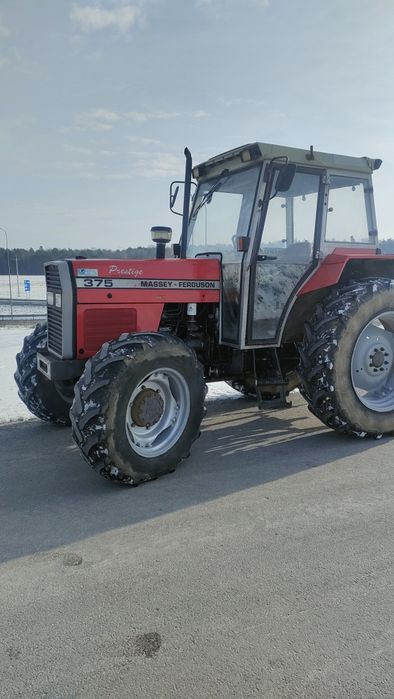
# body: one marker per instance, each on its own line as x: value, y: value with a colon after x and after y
x: 373, y: 362
x: 157, y: 412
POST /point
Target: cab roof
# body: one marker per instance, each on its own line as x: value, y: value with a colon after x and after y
x: 255, y: 152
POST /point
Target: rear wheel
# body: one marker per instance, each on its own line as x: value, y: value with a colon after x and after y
x: 47, y: 400
x: 138, y: 407
x: 347, y: 359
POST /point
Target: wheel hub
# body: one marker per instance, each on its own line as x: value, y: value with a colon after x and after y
x: 147, y: 408
x: 373, y: 357
x: 372, y: 365
x: 378, y: 358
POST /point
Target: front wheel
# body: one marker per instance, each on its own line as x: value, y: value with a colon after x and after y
x: 138, y: 407
x: 347, y: 359
x: 49, y: 401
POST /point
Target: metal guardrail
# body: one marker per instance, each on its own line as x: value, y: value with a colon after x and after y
x: 14, y: 319
x: 23, y: 302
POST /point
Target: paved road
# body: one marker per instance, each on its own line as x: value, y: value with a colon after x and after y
x: 262, y: 568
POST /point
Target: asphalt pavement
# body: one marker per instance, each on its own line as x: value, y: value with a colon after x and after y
x: 263, y: 567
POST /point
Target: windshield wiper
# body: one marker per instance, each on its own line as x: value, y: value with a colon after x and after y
x: 214, y: 188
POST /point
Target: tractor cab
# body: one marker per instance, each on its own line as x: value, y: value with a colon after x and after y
x: 271, y: 214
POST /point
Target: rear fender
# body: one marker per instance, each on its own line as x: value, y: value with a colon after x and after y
x: 337, y: 269
x: 343, y: 265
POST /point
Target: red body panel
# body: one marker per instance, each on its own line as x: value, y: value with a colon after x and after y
x: 104, y: 312
x: 331, y: 268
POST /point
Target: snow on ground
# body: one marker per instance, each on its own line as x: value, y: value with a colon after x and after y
x: 12, y: 408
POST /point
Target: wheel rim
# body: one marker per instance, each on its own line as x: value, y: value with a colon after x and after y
x: 157, y: 412
x: 373, y: 363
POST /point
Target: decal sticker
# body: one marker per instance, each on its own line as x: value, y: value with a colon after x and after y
x: 129, y: 271
x: 192, y: 284
x: 87, y: 272
x: 96, y: 283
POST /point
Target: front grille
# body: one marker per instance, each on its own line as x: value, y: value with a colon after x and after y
x: 55, y: 320
x: 103, y: 324
x: 55, y: 333
x: 52, y: 278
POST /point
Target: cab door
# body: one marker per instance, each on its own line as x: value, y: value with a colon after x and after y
x: 285, y: 253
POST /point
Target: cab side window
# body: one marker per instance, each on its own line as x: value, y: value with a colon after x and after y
x: 347, y: 220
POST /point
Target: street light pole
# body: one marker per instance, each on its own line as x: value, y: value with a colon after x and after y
x: 17, y: 274
x: 9, y: 268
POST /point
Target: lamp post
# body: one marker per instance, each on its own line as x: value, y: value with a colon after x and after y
x: 17, y: 274
x: 9, y: 268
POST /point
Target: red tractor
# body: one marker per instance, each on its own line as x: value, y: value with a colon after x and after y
x: 277, y: 281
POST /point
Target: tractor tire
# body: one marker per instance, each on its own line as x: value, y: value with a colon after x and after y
x: 138, y: 407
x: 45, y: 399
x: 347, y: 359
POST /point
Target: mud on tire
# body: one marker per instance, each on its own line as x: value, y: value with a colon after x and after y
x: 41, y: 396
x: 347, y: 359
x: 138, y: 407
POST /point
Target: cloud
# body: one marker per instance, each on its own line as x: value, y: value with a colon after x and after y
x: 91, y: 18
x: 199, y: 114
x: 217, y: 7
x: 4, y: 31
x: 142, y: 117
x: 157, y: 165
x: 96, y: 120
x: 104, y: 119
x: 143, y: 141
x: 80, y: 150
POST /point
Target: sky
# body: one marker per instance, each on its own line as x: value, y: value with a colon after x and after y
x: 100, y: 98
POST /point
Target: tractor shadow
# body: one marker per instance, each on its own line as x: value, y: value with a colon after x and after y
x: 50, y: 497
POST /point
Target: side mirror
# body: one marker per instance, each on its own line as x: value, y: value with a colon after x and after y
x: 174, y: 192
x: 285, y: 177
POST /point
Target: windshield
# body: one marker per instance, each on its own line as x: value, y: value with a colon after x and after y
x: 221, y: 213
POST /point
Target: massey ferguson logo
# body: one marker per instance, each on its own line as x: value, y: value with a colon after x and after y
x: 129, y: 271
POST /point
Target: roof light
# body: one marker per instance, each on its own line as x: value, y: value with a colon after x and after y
x: 245, y: 156
x: 251, y: 153
x: 161, y: 234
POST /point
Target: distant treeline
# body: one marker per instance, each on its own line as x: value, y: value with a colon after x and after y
x: 32, y: 261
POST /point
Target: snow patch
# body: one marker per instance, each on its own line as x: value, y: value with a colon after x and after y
x: 11, y: 341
